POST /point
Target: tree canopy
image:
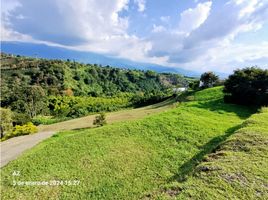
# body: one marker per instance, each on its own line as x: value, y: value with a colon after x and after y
x: 247, y: 86
x: 208, y: 79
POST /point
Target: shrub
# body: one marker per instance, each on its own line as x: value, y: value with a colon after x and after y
x: 248, y: 86
x: 6, y: 121
x: 194, y: 85
x: 47, y: 120
x: 100, y: 120
x: 19, y: 130
x: 20, y: 118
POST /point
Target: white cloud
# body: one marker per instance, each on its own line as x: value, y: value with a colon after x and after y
x: 165, y: 19
x: 74, y: 21
x: 87, y: 25
x: 10, y: 35
x: 202, y: 40
x: 170, y: 42
x: 227, y: 57
x: 220, y: 26
x: 193, y: 18
x: 157, y: 29
x: 209, y: 40
x: 141, y: 5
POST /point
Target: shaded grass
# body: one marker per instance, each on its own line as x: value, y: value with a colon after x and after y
x: 188, y: 167
x: 130, y: 160
x: 238, y: 169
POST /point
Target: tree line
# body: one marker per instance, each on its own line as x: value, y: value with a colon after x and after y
x: 33, y: 87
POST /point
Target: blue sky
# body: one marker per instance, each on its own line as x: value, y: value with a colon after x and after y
x: 196, y: 35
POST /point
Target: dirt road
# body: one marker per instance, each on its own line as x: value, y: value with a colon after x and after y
x: 12, y: 148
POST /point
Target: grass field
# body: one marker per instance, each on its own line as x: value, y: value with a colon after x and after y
x: 238, y: 169
x: 152, y: 158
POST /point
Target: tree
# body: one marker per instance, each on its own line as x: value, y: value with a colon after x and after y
x: 100, y: 120
x: 6, y: 121
x: 150, y: 74
x: 35, y: 101
x: 194, y: 85
x: 247, y: 86
x: 208, y: 79
x: 30, y: 100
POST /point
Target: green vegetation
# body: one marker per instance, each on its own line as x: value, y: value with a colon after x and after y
x: 19, y: 130
x: 111, y: 117
x: 209, y: 79
x: 46, y: 120
x: 144, y: 159
x: 100, y: 120
x: 201, y: 148
x: 58, y: 77
x: 5, y: 121
x: 36, y: 88
x: 247, y: 86
x: 211, y: 94
x: 238, y: 169
x: 8, y: 130
x: 65, y: 106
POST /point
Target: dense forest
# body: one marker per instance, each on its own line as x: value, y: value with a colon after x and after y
x: 33, y: 87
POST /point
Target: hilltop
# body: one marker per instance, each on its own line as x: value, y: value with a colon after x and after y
x: 84, y: 79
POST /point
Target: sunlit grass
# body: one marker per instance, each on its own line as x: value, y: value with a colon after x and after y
x: 129, y: 160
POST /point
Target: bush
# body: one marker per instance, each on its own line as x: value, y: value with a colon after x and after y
x: 194, y: 85
x: 47, y: 120
x: 248, y: 86
x: 6, y: 121
x: 100, y: 120
x: 19, y: 130
x: 20, y: 118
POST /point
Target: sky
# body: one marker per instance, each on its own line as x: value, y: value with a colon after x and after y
x: 196, y: 35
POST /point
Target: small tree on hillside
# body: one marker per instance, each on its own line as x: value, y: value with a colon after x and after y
x: 208, y: 79
x: 100, y: 120
x: 5, y: 121
x: 248, y: 86
x: 34, y: 100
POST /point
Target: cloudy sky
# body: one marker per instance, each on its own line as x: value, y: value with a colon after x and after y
x: 197, y: 35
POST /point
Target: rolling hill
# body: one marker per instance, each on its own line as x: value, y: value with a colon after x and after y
x: 164, y: 156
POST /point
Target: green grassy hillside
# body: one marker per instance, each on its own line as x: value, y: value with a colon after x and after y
x: 143, y: 159
x: 56, y: 76
x: 237, y: 170
x: 47, y: 91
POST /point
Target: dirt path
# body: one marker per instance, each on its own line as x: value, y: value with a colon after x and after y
x: 12, y: 148
x: 123, y: 115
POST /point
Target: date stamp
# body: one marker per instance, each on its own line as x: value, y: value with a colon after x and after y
x: 42, y: 183
x: 47, y: 183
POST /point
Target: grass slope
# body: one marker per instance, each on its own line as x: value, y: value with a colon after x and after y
x: 131, y: 160
x: 237, y: 170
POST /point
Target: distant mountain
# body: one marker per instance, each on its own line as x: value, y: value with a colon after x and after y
x: 44, y: 51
